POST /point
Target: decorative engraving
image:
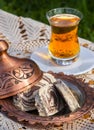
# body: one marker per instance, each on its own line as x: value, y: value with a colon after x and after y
x: 16, y: 75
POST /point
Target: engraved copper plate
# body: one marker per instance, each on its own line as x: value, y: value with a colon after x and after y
x: 33, y: 119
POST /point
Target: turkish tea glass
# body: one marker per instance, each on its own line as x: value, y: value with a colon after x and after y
x: 64, y: 47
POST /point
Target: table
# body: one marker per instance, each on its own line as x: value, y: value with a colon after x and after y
x: 23, y: 36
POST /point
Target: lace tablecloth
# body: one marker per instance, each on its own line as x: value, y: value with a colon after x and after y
x: 23, y: 36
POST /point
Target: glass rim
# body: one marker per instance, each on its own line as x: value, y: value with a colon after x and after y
x: 64, y: 10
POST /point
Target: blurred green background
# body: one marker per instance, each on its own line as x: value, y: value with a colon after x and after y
x: 37, y: 9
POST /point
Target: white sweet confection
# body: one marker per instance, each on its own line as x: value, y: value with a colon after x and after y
x: 68, y: 95
x: 48, y: 101
x: 49, y: 96
x: 26, y: 100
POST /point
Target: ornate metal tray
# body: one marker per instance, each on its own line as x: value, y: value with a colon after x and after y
x: 33, y: 119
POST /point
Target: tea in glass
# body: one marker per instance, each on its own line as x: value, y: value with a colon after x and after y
x: 64, y: 46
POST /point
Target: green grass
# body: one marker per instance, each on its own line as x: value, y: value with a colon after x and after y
x: 37, y: 9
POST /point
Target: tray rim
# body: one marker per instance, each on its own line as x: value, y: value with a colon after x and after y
x: 24, y: 117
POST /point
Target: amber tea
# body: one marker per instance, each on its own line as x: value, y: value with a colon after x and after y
x: 64, y: 43
x: 64, y: 40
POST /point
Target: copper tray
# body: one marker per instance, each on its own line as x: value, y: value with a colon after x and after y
x: 33, y: 119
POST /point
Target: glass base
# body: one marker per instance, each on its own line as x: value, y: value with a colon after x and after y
x: 65, y: 62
